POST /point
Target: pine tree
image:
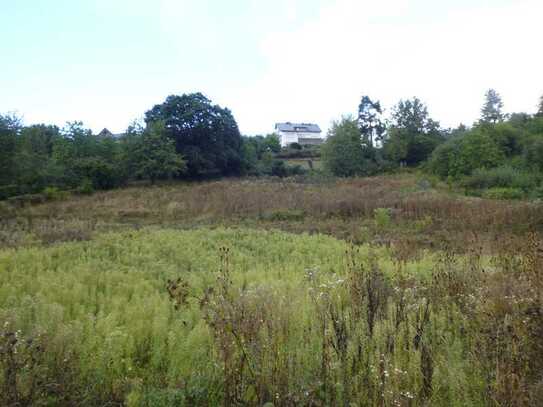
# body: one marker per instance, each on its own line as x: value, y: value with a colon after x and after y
x: 370, y: 121
x: 492, y: 109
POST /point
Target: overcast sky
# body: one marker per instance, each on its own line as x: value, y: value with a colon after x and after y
x: 106, y: 62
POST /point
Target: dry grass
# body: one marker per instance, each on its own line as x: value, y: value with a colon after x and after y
x: 419, y: 214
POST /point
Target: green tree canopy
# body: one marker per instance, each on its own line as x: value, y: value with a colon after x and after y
x: 206, y: 135
x: 151, y: 154
x: 370, y: 121
x: 461, y: 155
x: 413, y: 135
x: 344, y: 154
x: 10, y: 126
x: 33, y: 163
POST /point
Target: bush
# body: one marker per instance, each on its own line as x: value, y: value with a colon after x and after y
x: 295, y: 146
x: 293, y: 170
x: 503, y: 193
x: 55, y: 194
x: 462, y: 155
x: 382, y: 217
x: 279, y: 169
x: 307, y: 152
x: 7, y: 191
x: 86, y: 187
x: 536, y: 193
x: 501, y: 177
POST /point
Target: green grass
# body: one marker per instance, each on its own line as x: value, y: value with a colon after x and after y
x: 106, y: 299
x: 102, y: 307
x: 163, y: 315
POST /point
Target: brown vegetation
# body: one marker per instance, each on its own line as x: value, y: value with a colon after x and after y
x: 417, y: 214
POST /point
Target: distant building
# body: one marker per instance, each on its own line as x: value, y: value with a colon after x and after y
x: 301, y: 133
x: 106, y: 133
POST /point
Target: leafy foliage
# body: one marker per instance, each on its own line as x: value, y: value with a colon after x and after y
x: 501, y: 177
x: 206, y: 135
x: 151, y: 154
x: 344, y: 154
x: 460, y: 156
x: 413, y: 135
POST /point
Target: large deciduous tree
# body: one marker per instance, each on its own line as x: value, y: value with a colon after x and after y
x: 33, y: 163
x: 151, y: 153
x: 345, y: 154
x: 413, y: 135
x: 10, y: 127
x: 206, y: 135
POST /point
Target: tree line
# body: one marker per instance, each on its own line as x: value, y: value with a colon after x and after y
x: 499, y: 152
x: 185, y: 136
x: 189, y: 137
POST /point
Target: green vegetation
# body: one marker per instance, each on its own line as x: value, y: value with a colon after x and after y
x: 189, y: 138
x: 185, y: 137
x: 344, y: 155
x: 198, y: 294
x: 299, y: 286
x: 172, y: 318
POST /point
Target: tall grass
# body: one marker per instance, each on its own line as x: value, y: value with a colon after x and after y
x: 417, y: 211
x: 240, y: 317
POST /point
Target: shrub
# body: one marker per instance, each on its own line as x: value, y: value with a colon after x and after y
x: 86, y: 187
x: 7, y: 191
x: 462, y: 155
x: 382, y: 217
x: 55, y: 194
x: 421, y: 225
x: 295, y: 146
x: 279, y: 169
x: 295, y: 170
x: 501, y: 177
x: 503, y: 193
x: 307, y: 152
x: 537, y: 193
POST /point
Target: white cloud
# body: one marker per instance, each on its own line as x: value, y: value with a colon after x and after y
x: 390, y: 50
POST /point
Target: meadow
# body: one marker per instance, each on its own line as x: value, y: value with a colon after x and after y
x: 382, y: 291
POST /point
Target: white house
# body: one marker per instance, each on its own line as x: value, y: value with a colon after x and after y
x: 301, y: 133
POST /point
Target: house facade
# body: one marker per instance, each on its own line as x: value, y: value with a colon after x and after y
x: 301, y: 133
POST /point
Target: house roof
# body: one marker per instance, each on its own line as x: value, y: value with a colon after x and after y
x: 295, y: 127
x: 106, y: 133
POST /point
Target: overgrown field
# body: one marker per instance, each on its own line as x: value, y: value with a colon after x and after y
x: 401, y: 209
x: 392, y: 292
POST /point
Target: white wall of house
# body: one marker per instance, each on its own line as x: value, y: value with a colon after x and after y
x: 289, y: 137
